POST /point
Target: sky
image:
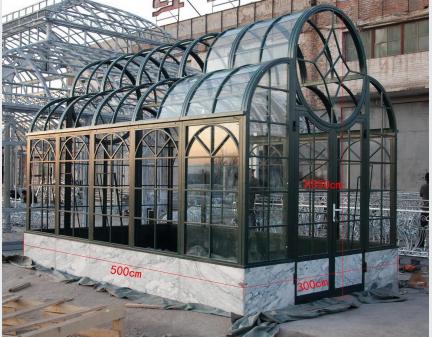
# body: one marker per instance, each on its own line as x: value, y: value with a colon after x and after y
x: 142, y: 8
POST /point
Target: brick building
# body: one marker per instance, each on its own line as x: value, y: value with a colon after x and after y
x: 395, y: 36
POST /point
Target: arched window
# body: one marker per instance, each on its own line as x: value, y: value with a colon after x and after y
x: 73, y: 200
x: 111, y: 188
x: 156, y: 190
x: 212, y: 159
x: 42, y: 185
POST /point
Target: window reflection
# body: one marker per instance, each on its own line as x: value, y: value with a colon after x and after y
x: 212, y: 192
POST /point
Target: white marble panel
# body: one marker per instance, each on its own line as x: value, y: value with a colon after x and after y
x: 167, y: 276
x: 41, y: 248
x: 348, y: 270
x: 312, y: 276
x: 214, y: 285
x: 382, y: 269
x: 269, y: 287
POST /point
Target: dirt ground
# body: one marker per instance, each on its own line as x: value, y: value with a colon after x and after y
x: 409, y: 318
x: 139, y: 322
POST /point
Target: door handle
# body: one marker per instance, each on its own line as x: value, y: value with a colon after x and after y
x: 334, y: 211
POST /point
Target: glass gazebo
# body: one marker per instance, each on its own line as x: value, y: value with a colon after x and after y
x: 239, y: 177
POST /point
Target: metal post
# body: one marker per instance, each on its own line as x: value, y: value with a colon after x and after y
x: 6, y: 171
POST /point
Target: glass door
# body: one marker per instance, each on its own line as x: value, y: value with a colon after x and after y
x: 329, y: 250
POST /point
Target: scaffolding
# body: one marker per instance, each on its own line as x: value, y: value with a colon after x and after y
x: 44, y: 46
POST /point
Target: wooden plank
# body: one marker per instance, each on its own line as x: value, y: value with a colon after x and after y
x: 52, y: 319
x: 95, y: 332
x: 20, y: 287
x: 37, y: 307
x: 11, y: 299
x: 80, y: 323
x: 118, y: 325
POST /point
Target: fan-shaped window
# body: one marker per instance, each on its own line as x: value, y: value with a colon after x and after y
x: 156, y: 189
x: 211, y: 218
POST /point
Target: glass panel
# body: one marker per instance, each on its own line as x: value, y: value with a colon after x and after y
x: 410, y: 37
x: 224, y: 243
x: 172, y: 107
x: 275, y: 45
x: 423, y: 32
x: 197, y: 240
x: 394, y: 40
x: 219, y: 52
x: 249, y: 47
x: 231, y: 96
x: 381, y: 42
x: 156, y: 184
x: 202, y: 100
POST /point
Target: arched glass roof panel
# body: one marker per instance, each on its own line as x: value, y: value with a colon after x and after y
x: 218, y: 56
x: 171, y: 107
x: 203, y: 95
x: 249, y: 48
x: 230, y: 96
x: 275, y: 44
x: 151, y: 99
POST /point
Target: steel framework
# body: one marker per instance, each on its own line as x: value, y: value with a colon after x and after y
x: 44, y: 46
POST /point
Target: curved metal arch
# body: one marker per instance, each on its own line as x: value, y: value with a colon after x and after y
x: 189, y: 49
x: 234, y: 45
x: 111, y: 66
x: 144, y: 96
x: 293, y: 53
x: 70, y: 107
x: 192, y: 90
x: 171, y: 89
x: 86, y: 67
x: 141, y: 53
x: 256, y: 77
x: 67, y: 100
x: 106, y: 99
x: 388, y: 105
x: 114, y: 63
x: 179, y: 45
x: 198, y: 132
x: 42, y: 110
x: 150, y: 54
x: 221, y: 86
x: 219, y: 35
x: 171, y: 139
x: 271, y: 26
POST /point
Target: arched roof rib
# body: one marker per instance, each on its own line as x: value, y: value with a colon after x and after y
x: 222, y: 82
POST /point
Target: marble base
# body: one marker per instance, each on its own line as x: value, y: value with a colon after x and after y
x: 238, y: 290
x: 312, y: 276
x: 348, y: 270
x: 382, y: 269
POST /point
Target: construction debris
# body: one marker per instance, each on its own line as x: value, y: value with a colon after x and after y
x: 19, y: 287
x: 57, y: 318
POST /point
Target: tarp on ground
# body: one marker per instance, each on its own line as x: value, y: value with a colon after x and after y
x: 260, y: 324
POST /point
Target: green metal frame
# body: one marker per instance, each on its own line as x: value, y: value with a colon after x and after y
x: 326, y: 128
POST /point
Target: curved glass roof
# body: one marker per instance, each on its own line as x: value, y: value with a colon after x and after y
x: 218, y: 81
